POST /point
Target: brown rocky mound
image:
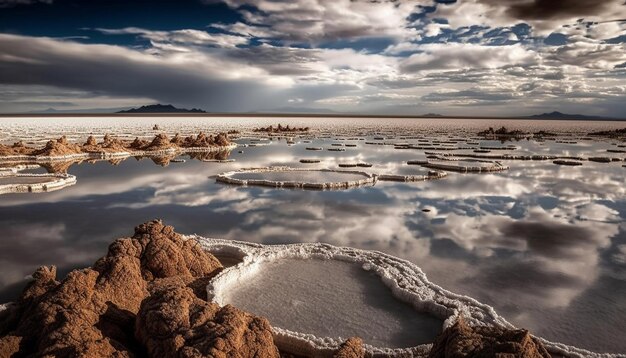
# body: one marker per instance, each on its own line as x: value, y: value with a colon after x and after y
x: 93, y: 312
x: 173, y: 322
x: 59, y: 147
x: 281, y: 129
x: 461, y: 340
x: 109, y: 144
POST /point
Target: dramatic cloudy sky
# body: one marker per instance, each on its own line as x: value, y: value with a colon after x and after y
x: 463, y: 57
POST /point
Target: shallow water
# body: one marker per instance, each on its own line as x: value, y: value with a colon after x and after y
x: 544, y: 244
x: 332, y: 298
x: 25, y: 180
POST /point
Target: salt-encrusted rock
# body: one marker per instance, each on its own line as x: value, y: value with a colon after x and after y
x: 160, y: 141
x: 173, y: 322
x: 461, y: 340
x: 110, y: 147
x: 352, y: 348
x: 58, y: 147
x: 91, y: 313
x: 160, y: 252
x: 91, y: 141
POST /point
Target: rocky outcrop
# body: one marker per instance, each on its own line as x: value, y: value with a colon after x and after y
x: 62, y: 148
x: 173, y: 322
x: 352, y: 348
x: 58, y: 147
x: 93, y: 312
x: 461, y: 340
x: 281, y: 129
x: 502, y: 132
x: 160, y: 142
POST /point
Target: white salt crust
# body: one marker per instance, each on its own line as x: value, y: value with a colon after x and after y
x: 368, y: 178
x: 59, y: 180
x: 227, y: 177
x: 406, y: 281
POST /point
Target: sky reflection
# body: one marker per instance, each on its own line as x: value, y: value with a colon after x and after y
x: 545, y: 245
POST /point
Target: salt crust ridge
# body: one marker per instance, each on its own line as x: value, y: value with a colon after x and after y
x: 61, y: 180
x: 406, y: 280
x: 368, y: 178
x: 227, y: 178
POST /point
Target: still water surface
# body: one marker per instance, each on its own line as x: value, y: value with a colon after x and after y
x: 544, y: 244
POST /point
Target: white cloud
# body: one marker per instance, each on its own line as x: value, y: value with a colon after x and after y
x: 185, y: 36
x: 438, y: 56
x: 322, y: 20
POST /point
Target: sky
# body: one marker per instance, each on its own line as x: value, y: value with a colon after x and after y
x: 463, y: 57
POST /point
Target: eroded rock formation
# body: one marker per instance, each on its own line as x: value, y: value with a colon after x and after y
x: 173, y: 322
x: 62, y: 147
x: 461, y: 340
x: 281, y: 129
x: 142, y: 298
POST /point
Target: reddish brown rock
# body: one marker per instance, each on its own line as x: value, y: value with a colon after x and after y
x: 352, y: 348
x: 281, y: 129
x: 461, y: 340
x: 91, y: 313
x: 138, y: 144
x: 174, y: 322
x: 91, y: 141
x: 59, y: 147
x: 177, y: 140
x: 160, y: 141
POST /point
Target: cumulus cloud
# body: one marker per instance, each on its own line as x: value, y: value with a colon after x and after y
x: 308, y: 50
x: 323, y: 20
x: 460, y: 55
x: 191, y: 77
x: 185, y: 36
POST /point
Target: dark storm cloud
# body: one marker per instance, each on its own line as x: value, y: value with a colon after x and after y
x: 121, y: 72
x: 555, y: 9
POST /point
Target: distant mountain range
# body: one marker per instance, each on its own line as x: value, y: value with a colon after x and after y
x: 161, y: 108
x: 168, y: 108
x: 559, y: 115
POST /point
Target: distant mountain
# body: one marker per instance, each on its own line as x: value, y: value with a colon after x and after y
x: 432, y: 115
x: 161, y: 108
x: 559, y: 115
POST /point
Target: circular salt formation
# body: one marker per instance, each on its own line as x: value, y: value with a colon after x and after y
x: 285, y: 177
x: 34, y: 183
x: 431, y: 175
x: 464, y: 165
x: 317, y: 295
